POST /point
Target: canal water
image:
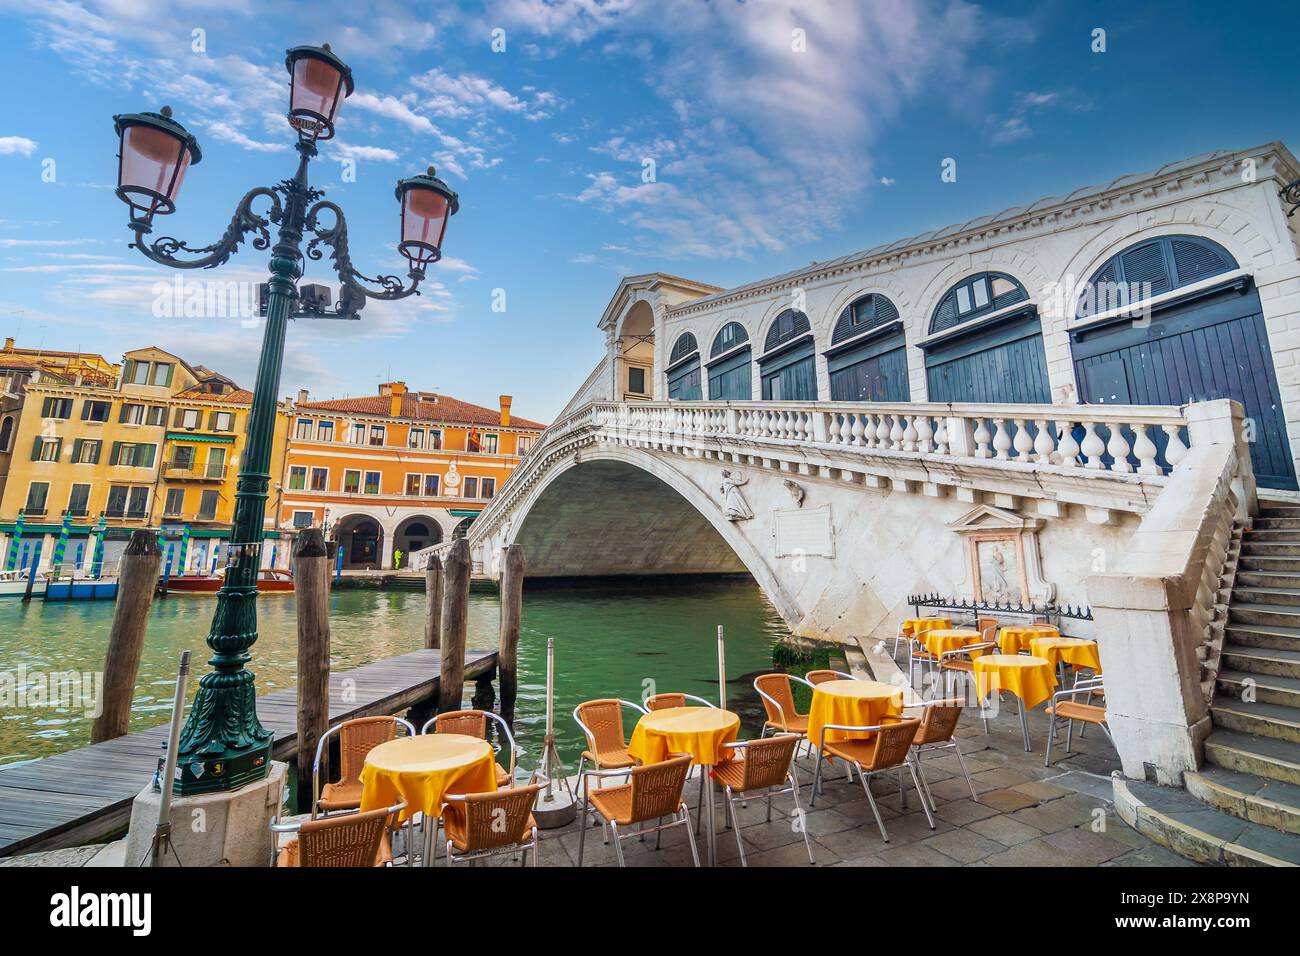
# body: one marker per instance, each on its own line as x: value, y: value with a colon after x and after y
x: 611, y: 641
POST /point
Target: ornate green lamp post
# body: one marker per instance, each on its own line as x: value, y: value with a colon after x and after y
x: 223, y: 744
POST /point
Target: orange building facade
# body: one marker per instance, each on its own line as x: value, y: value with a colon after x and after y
x: 389, y: 474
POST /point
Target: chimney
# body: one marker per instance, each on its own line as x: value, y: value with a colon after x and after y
x: 505, y: 410
x: 394, y: 391
x: 9, y: 343
x: 302, y: 396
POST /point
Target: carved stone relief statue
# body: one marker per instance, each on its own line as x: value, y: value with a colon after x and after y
x: 734, y: 506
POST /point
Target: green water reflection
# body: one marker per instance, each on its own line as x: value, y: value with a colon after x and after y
x: 611, y: 641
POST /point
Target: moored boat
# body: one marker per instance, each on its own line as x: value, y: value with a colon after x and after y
x: 81, y: 589
x: 14, y: 584
x: 269, y: 581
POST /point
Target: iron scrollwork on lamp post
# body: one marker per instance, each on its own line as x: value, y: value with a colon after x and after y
x: 224, y: 745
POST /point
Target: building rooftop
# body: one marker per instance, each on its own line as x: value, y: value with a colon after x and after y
x: 420, y: 406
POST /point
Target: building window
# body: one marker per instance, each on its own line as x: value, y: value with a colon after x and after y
x: 372, y: 482
x: 85, y: 451
x: 351, y: 482
x: 524, y: 444
x: 303, y: 519
x: 324, y: 431
x: 188, y: 417
x: 174, y: 506
x: 95, y: 411
x: 320, y: 478
x: 358, y: 436
x: 223, y: 421
x: 297, y: 477
x: 976, y: 296
x: 412, y: 484
x: 435, y: 439
x: 6, y: 433
x: 376, y: 434
x: 305, y: 429
x: 155, y: 415
x: 79, y: 501
x: 490, y: 444
x: 116, y: 506
x: 471, y: 488
x: 47, y: 449
x: 183, y: 457
x: 431, y: 486
x: 132, y: 455
x: 131, y: 414
x: 37, y: 492
x: 56, y: 408
x: 489, y: 487
x: 636, y: 381
x: 216, y: 463
x: 473, y: 441
x: 415, y: 439
x: 137, y: 505
x: 207, y: 506
x: 139, y: 373
x: 162, y: 374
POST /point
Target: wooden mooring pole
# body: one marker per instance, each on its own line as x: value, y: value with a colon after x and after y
x: 136, y: 582
x: 455, y: 623
x: 512, y: 607
x: 433, y: 602
x: 311, y: 588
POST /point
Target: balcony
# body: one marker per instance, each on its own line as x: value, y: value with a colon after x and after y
x: 193, y: 471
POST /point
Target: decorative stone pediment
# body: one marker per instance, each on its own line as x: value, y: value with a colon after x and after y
x: 1003, y: 563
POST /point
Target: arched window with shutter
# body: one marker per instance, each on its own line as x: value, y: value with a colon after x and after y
x: 1153, y: 328
x: 684, y: 369
x: 729, y: 364
x: 867, y: 359
x: 787, y: 366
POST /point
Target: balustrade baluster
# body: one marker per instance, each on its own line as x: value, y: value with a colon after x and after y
x: 1023, y: 443
x: 1118, y: 448
x: 924, y: 431
x: 983, y: 438
x: 1002, y: 440
x: 910, y: 434
x: 1175, y: 450
x: 941, y: 435
x: 1092, y: 446
x: 859, y: 429
x: 1068, y: 448
x: 896, y: 433
x: 1043, y: 444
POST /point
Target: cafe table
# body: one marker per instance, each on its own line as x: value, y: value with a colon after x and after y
x: 1031, y: 681
x: 945, y: 639
x: 701, y: 732
x: 421, y: 771
x: 1077, y: 652
x: 1014, y: 638
x: 912, y: 627
x: 858, y: 703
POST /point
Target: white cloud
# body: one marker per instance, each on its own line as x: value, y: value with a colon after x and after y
x: 17, y: 146
x: 228, y: 133
x: 371, y: 153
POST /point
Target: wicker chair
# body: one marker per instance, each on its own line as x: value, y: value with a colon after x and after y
x: 664, y: 701
x: 356, y: 739
x: 777, y: 694
x: 888, y: 748
x: 824, y: 675
x: 601, y: 722
x: 761, y: 765
x: 474, y: 723
x: 653, y: 791
x: 357, y: 839
x: 1065, y: 707
x: 479, y: 825
x: 938, y: 726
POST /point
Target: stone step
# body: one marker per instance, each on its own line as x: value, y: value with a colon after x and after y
x: 1269, y: 803
x: 1258, y: 562
x: 1284, y: 580
x: 1256, y: 635
x: 1263, y: 719
x: 1268, y: 615
x: 1272, y: 661
x: 1266, y: 688
x: 1279, y: 510
x: 1264, y: 523
x: 1175, y: 819
x: 1279, y: 596
x: 1250, y: 753
x: 1272, y: 534
x: 1253, y: 547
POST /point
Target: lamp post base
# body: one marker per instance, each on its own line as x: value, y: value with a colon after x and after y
x: 223, y: 772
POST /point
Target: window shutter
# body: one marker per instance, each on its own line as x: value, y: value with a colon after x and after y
x: 212, y: 421
x: 167, y: 379
x: 116, y: 453
x: 36, y: 448
x: 94, y: 452
x: 58, y: 448
x: 128, y: 372
x: 145, y: 455
x: 76, y: 449
x: 1194, y: 261
x: 85, y: 410
x: 178, y: 418
x: 1145, y: 264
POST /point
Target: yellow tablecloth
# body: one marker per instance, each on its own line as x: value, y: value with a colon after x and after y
x: 1032, y: 679
x: 1075, y: 651
x: 1015, y: 638
x: 421, y: 770
x: 913, y: 626
x: 941, y: 640
x: 698, y: 731
x: 861, y: 703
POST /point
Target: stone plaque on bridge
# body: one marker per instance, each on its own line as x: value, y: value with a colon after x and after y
x: 804, y: 533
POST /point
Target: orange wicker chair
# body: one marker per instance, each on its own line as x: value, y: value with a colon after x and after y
x: 888, y: 748
x: 601, y: 722
x: 652, y: 792
x: 664, y: 701
x: 761, y: 765
x: 480, y: 825
x: 474, y: 723
x: 822, y: 676
x: 357, y: 839
x: 356, y: 739
x: 1065, y: 707
x: 777, y: 694
x: 938, y: 726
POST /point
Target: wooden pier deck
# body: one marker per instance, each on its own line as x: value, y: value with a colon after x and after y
x: 85, y: 795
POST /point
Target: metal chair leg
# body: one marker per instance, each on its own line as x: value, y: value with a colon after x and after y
x: 1051, y: 734
x: 902, y: 789
x: 729, y: 800
x: 866, y: 785
x: 803, y: 820
x: 817, y: 782
x: 690, y: 835
x: 618, y: 844
x: 961, y: 760
x: 924, y: 806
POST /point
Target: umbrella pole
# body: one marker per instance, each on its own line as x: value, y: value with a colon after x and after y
x: 722, y: 670
x: 553, y: 807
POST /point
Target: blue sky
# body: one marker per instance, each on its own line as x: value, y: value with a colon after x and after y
x: 766, y: 155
